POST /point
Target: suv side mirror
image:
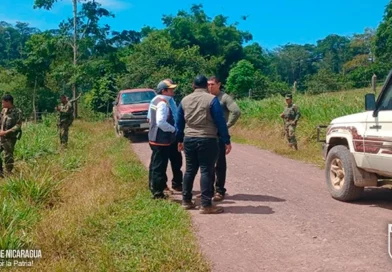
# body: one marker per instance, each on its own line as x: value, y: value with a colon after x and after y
x: 115, y: 103
x: 370, y: 102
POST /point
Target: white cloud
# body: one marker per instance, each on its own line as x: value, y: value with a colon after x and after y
x: 115, y: 4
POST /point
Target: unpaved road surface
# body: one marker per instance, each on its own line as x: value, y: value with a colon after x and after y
x: 279, y: 217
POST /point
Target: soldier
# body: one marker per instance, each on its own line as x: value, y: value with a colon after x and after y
x: 65, y: 110
x: 10, y: 131
x: 290, y: 116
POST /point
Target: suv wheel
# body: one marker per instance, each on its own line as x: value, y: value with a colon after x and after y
x: 339, y: 175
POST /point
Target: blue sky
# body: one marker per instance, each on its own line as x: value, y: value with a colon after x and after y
x: 272, y: 22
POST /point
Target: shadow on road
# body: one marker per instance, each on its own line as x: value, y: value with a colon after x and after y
x: 376, y: 197
x: 235, y: 209
x: 256, y: 198
x: 249, y: 209
x: 139, y: 137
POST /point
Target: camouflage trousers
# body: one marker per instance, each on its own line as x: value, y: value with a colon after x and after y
x: 290, y: 134
x: 7, y: 146
x: 64, y: 128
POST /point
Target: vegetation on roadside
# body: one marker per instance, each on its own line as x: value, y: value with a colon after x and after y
x: 261, y: 125
x: 88, y: 207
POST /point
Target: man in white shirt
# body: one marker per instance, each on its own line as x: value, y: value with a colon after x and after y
x: 175, y: 156
x: 161, y: 136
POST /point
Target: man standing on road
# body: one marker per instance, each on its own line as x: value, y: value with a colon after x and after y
x: 65, y: 110
x: 199, y: 120
x: 161, y: 136
x: 231, y: 113
x: 175, y: 156
x: 290, y: 116
x: 11, y: 129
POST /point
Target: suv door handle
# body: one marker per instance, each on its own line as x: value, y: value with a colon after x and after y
x: 375, y: 127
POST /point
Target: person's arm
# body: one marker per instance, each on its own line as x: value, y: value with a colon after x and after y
x: 235, y: 111
x: 297, y: 114
x: 149, y: 113
x: 174, y: 109
x: 180, y: 124
x: 162, y: 111
x: 67, y: 109
x: 219, y: 120
x: 17, y: 126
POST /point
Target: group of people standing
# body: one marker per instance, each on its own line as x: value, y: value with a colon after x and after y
x: 199, y: 128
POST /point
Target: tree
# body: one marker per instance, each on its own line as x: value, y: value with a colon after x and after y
x: 102, y: 95
x: 334, y: 50
x: 214, y: 37
x: 292, y: 62
x: 47, y: 4
x: 361, y: 50
x: 383, y: 39
x: 241, y: 79
x: 155, y: 59
x: 39, y: 52
x: 13, y: 40
x: 325, y: 80
x: 255, y: 55
x: 91, y: 12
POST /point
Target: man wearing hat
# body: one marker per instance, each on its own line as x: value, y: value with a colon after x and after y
x: 290, y: 116
x: 175, y: 156
x: 161, y: 136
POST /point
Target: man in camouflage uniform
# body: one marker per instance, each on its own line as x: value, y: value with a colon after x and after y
x: 65, y: 110
x: 10, y: 131
x: 290, y: 116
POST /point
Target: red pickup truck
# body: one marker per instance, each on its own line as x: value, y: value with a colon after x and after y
x: 130, y: 110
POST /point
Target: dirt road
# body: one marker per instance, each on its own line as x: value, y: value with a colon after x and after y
x: 279, y: 217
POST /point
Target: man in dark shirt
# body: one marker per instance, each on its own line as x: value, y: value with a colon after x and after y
x: 199, y: 120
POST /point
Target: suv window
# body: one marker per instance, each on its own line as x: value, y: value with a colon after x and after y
x: 137, y: 97
x: 386, y: 102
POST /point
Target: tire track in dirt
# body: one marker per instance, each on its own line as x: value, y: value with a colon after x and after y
x: 280, y: 217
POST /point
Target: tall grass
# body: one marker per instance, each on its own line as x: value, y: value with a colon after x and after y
x: 40, y: 168
x: 37, y: 140
x: 315, y: 109
x: 261, y: 125
x: 88, y: 207
x: 108, y: 221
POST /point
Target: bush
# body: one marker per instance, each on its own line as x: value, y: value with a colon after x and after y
x: 326, y: 81
x: 241, y: 79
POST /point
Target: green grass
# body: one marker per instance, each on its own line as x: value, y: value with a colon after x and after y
x: 261, y: 125
x: 88, y: 207
x: 31, y: 188
x: 135, y: 232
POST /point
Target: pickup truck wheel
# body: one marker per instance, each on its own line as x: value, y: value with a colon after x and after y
x: 340, y: 176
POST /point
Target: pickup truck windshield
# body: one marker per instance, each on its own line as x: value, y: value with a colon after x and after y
x: 136, y: 97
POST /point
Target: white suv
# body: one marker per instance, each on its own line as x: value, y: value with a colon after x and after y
x: 358, y: 147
